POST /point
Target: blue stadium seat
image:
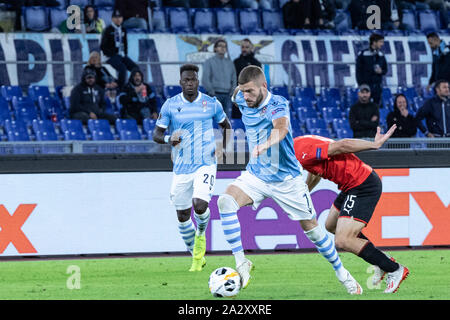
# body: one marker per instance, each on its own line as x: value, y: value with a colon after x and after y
x: 36, y: 18
x: 305, y: 113
x: 272, y: 21
x: 105, y: 13
x: 427, y: 94
x: 34, y: 92
x: 80, y: 3
x: 16, y: 130
x: 314, y: 123
x: 8, y: 92
x: 327, y: 103
x: 99, y: 125
x: 297, y: 131
x: 170, y: 91
x: 50, y: 106
x: 148, y: 125
x: 237, y: 124
x: 409, y: 19
x: 129, y: 135
x: 5, y: 114
x: 338, y: 124
x: 103, y: 3
x: 72, y: 129
x: 203, y: 20
x: 249, y: 21
x: 428, y: 21
x: 126, y: 125
x: 331, y: 93
x: 409, y: 92
x: 227, y: 21
x: 305, y: 92
x: 159, y: 20
x: 98, y: 135
x: 330, y: 113
x: 57, y: 15
x: 24, y: 109
x: 304, y: 102
x: 179, y: 20
x: 320, y: 132
x: 281, y: 91
x: 344, y: 133
x: 44, y: 130
x: 351, y: 96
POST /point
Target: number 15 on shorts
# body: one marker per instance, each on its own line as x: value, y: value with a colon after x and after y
x: 349, y: 203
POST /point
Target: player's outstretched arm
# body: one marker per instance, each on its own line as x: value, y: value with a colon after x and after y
x: 356, y: 145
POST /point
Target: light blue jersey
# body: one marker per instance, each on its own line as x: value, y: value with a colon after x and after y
x: 195, y: 120
x: 279, y: 161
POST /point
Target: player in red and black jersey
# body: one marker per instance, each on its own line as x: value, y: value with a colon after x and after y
x: 360, y: 191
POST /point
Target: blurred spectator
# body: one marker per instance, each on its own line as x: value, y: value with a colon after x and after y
x: 328, y: 9
x: 388, y: 10
x: 115, y: 46
x: 302, y: 14
x: 92, y: 23
x: 135, y: 13
x: 436, y: 112
x: 219, y: 76
x: 232, y: 4
x: 87, y: 100
x: 246, y: 58
x: 406, y: 123
x: 371, y: 66
x: 441, y: 59
x: 138, y: 100
x: 103, y: 77
x: 186, y: 3
x: 364, y: 115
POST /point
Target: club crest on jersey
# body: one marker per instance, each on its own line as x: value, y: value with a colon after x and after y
x: 205, y: 105
x: 263, y: 111
x: 179, y: 109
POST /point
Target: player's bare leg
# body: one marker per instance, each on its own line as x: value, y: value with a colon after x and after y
x: 326, y: 247
x: 228, y: 204
x: 347, y: 238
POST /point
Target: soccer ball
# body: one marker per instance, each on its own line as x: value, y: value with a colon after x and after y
x: 224, y: 282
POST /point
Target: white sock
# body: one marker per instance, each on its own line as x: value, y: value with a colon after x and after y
x: 326, y: 248
x: 202, y: 221
x: 187, y: 232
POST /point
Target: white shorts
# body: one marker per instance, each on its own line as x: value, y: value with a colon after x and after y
x: 199, y: 184
x: 291, y: 195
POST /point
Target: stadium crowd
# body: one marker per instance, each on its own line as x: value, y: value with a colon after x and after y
x: 99, y: 95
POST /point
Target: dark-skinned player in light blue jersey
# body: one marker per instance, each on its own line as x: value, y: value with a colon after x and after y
x: 189, y: 117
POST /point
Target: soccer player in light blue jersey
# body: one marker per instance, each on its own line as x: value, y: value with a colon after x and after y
x: 189, y: 117
x: 272, y: 172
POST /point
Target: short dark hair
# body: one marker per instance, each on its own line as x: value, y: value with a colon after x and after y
x: 432, y: 35
x: 438, y: 83
x: 188, y: 67
x: 219, y: 41
x: 250, y: 73
x: 374, y: 37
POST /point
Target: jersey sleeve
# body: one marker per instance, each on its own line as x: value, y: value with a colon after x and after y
x: 164, y: 116
x: 277, y: 110
x: 310, y: 150
x: 219, y: 113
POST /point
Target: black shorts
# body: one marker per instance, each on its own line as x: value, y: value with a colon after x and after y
x: 360, y: 202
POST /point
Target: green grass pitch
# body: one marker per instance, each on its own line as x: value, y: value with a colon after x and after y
x: 291, y: 276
